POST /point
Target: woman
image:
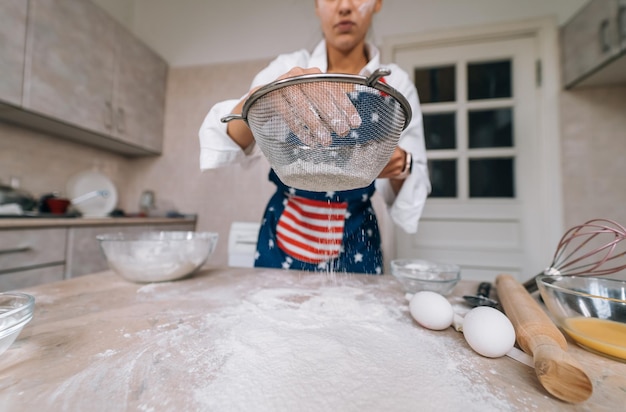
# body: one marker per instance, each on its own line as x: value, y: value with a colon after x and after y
x: 289, y: 236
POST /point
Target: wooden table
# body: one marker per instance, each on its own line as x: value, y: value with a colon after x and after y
x: 263, y: 340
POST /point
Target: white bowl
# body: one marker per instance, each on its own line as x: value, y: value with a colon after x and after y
x: 157, y: 256
x: 16, y: 310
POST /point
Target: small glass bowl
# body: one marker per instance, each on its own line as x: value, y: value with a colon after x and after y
x: 417, y: 275
x: 16, y: 310
x: 591, y: 310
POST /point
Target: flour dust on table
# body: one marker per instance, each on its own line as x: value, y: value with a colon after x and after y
x: 305, y: 346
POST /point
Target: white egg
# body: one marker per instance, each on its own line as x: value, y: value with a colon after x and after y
x: 431, y: 310
x: 488, y: 331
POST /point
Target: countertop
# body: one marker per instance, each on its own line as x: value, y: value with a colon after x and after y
x: 40, y: 222
x: 230, y: 339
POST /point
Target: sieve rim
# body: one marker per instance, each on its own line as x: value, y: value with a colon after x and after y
x: 370, y: 81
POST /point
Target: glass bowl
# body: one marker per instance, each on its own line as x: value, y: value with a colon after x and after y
x: 417, y: 275
x: 591, y: 310
x: 16, y: 310
x: 157, y: 256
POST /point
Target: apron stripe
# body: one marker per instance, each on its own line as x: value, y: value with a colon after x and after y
x: 294, y: 236
x: 321, y: 227
x: 304, y: 254
x: 311, y: 230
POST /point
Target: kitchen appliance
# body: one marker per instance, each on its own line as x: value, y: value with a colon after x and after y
x: 594, y: 248
x: 557, y: 371
x: 327, y: 132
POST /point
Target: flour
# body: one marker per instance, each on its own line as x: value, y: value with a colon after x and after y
x: 300, y: 347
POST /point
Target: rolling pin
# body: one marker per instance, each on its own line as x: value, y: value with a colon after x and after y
x: 536, y: 335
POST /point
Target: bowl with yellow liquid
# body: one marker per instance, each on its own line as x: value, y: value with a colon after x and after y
x: 591, y: 310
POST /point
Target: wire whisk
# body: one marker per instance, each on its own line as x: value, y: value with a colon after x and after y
x: 594, y: 248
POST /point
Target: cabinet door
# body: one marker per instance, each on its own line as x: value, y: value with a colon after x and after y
x: 70, y: 63
x: 589, y: 40
x: 32, y: 277
x: 12, y: 43
x: 139, y: 95
x: 27, y: 248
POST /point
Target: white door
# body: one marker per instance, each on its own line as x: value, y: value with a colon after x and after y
x: 479, y: 101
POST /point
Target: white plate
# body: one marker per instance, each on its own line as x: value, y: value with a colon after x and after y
x: 87, y: 182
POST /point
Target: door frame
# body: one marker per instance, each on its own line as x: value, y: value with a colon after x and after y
x: 549, y: 207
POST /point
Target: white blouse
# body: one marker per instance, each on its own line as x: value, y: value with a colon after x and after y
x: 217, y: 149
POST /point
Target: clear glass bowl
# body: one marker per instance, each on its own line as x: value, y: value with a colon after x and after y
x: 157, y: 256
x: 16, y: 310
x: 591, y: 310
x: 417, y: 275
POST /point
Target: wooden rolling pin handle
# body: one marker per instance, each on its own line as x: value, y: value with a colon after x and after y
x: 556, y: 370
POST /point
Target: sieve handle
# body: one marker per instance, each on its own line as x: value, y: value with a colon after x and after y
x: 230, y: 117
x: 377, y: 75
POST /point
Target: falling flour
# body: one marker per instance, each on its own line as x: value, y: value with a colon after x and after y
x: 330, y: 348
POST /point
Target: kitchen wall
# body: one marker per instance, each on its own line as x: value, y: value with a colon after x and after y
x: 593, y: 138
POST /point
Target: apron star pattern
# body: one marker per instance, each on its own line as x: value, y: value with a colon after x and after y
x: 300, y: 231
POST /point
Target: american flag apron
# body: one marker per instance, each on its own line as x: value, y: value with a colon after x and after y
x: 314, y: 231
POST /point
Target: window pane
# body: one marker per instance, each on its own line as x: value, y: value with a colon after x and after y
x: 440, y: 131
x: 490, y: 128
x: 491, y: 177
x: 489, y: 80
x: 436, y: 84
x: 442, y: 177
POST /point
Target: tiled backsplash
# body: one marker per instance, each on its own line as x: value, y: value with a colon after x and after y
x: 44, y: 164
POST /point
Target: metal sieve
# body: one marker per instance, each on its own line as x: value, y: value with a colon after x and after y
x: 327, y: 132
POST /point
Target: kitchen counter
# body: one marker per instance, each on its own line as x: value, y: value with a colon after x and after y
x: 40, y: 222
x: 263, y: 340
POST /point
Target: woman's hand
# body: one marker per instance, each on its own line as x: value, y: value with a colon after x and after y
x: 396, y: 164
x: 315, y: 110
x: 395, y: 168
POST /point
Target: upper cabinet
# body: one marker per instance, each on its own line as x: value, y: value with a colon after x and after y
x: 593, y: 45
x: 138, y: 104
x: 71, y: 63
x: 88, y: 79
x: 12, y: 41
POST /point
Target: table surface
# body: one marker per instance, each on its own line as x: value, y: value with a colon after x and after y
x: 263, y: 340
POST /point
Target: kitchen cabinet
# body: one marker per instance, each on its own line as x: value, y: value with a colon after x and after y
x: 35, y: 251
x: 84, y: 254
x: 88, y: 79
x: 139, y: 93
x: 13, y: 40
x: 593, y: 45
x: 31, y: 256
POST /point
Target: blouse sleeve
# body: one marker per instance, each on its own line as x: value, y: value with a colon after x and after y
x: 217, y: 149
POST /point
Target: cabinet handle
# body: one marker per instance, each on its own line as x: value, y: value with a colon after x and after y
x: 20, y: 249
x: 621, y: 22
x: 604, y: 36
x: 108, y: 116
x: 120, y: 120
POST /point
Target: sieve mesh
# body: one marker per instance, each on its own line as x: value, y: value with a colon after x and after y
x: 312, y: 150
